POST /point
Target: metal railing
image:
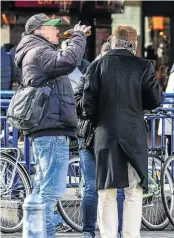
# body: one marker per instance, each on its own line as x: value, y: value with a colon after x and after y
x: 154, y: 117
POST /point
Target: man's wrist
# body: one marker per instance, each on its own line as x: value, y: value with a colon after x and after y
x: 79, y: 31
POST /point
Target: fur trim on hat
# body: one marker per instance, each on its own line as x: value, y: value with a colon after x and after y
x: 125, y: 32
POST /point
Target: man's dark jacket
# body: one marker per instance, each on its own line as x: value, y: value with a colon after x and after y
x: 78, y: 93
x: 83, y: 66
x: 119, y: 87
x: 40, y: 62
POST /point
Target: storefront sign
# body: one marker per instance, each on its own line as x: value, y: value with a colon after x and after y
x: 45, y: 3
x: 99, y: 6
x: 158, y: 23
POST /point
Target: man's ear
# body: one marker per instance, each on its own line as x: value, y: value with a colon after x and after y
x: 38, y: 30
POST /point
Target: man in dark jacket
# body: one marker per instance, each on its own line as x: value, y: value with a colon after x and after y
x: 119, y: 87
x: 40, y: 62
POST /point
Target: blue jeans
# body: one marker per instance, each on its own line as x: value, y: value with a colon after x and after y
x: 90, y: 199
x: 57, y: 218
x: 52, y: 157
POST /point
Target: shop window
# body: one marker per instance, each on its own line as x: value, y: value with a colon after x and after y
x: 157, y: 40
x: 102, y: 35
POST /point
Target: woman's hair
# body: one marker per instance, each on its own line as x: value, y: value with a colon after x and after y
x: 105, y: 47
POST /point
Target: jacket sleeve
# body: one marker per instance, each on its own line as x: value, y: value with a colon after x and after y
x: 90, y: 94
x: 16, y: 72
x: 152, y: 92
x: 78, y: 93
x: 57, y: 63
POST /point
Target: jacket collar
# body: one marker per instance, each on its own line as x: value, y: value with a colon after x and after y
x: 45, y: 40
x: 120, y: 52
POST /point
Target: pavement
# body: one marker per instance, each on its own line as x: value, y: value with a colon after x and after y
x: 144, y: 234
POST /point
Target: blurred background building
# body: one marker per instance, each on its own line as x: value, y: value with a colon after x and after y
x: 154, y: 21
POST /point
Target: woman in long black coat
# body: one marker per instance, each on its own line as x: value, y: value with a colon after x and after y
x: 119, y: 87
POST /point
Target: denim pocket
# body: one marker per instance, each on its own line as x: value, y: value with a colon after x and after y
x: 42, y: 143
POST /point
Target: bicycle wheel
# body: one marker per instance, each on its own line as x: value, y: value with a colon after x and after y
x: 154, y: 216
x: 167, y: 190
x: 70, y: 206
x: 14, y: 187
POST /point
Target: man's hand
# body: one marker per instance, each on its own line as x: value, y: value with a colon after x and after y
x: 82, y: 28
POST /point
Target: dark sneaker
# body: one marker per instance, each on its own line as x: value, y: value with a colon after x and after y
x: 63, y: 227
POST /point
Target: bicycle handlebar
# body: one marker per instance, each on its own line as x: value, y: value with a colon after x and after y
x: 163, y: 111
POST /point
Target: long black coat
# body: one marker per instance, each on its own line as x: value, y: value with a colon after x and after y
x: 119, y: 87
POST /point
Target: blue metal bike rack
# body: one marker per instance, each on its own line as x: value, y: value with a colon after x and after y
x: 5, y: 100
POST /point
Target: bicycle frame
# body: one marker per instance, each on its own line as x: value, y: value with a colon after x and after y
x: 148, y: 195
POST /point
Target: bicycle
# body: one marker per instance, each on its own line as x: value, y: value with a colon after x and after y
x: 154, y: 216
x: 167, y: 172
x: 168, y: 186
x: 16, y: 184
